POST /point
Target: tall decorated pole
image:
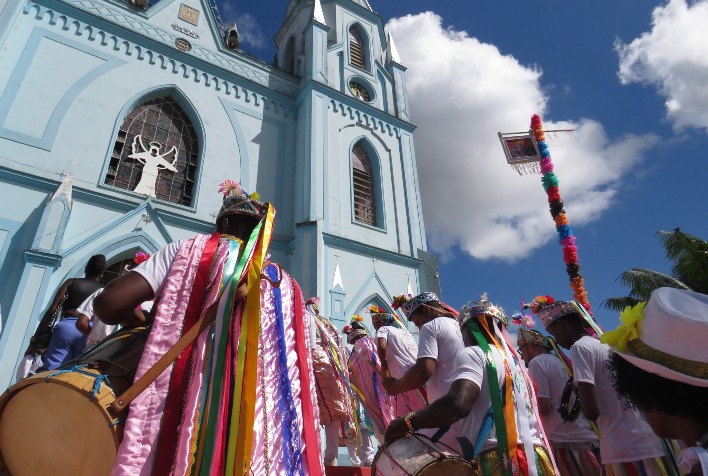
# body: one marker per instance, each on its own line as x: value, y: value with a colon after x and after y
x: 555, y: 202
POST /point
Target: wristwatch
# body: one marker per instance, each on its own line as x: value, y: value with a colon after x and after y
x: 408, y: 421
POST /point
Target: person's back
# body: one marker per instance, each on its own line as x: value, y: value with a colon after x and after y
x: 67, y: 342
x: 550, y: 376
x: 79, y: 291
x: 624, y: 435
x: 440, y: 339
x: 401, y: 350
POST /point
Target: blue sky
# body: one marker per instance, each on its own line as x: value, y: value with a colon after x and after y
x: 629, y: 76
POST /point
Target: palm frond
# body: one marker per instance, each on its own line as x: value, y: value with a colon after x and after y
x: 643, y: 281
x: 690, y: 257
x: 619, y: 303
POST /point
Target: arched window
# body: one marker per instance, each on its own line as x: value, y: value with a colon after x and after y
x: 357, y: 48
x: 156, y: 152
x: 364, y: 187
x: 290, y: 56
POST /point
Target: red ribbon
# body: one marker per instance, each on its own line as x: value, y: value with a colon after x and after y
x: 312, y: 453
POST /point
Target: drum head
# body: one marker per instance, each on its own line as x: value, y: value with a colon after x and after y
x: 51, y: 429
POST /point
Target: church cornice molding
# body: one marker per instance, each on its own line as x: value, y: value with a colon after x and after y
x: 339, y: 242
x: 169, y: 217
x: 138, y: 39
x: 364, y: 114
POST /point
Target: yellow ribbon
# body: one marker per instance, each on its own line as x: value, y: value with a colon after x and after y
x: 631, y: 320
x: 243, y: 413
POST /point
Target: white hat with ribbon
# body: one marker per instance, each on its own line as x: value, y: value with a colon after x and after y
x: 666, y: 336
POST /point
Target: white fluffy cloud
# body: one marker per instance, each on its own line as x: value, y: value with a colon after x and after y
x: 673, y: 57
x: 461, y: 93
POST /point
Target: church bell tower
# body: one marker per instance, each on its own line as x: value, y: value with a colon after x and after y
x: 357, y: 211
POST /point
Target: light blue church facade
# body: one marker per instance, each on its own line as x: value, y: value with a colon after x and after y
x: 118, y: 121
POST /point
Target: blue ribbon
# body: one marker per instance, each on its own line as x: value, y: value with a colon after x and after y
x: 292, y: 451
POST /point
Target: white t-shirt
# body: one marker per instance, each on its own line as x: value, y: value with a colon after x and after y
x: 401, y: 350
x: 440, y: 339
x: 470, y: 365
x: 624, y: 436
x: 99, y: 329
x: 155, y: 269
x: 550, y: 376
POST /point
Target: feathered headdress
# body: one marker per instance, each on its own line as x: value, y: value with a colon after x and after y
x: 355, y: 329
x: 238, y: 202
x: 400, y: 300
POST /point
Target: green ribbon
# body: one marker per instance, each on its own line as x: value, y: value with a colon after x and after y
x: 217, y: 389
x: 495, y: 392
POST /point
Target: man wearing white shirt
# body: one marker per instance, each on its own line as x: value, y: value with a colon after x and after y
x: 439, y: 342
x: 491, y: 402
x: 397, y: 351
x: 575, y: 446
x: 627, y: 444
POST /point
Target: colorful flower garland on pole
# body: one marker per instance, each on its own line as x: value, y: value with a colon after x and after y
x: 565, y: 232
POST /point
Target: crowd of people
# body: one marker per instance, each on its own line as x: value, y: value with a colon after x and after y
x: 267, y: 370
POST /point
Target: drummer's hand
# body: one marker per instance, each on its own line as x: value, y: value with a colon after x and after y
x: 396, y: 429
x: 389, y: 384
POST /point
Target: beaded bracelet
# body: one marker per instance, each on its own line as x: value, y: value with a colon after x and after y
x: 408, y: 421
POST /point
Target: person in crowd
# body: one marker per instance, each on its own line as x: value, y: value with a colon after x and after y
x: 94, y: 329
x: 367, y: 377
x: 491, y: 401
x: 439, y: 342
x: 660, y: 366
x: 575, y: 446
x: 397, y: 351
x: 241, y: 397
x: 627, y: 445
x: 67, y: 342
x: 329, y: 362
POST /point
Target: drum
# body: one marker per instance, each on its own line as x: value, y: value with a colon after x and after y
x: 58, y: 422
x: 417, y: 455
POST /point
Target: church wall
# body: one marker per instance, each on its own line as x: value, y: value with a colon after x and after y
x: 87, y: 112
x: 72, y: 69
x: 18, y: 222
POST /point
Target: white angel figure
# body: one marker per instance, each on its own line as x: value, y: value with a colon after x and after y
x: 153, y: 162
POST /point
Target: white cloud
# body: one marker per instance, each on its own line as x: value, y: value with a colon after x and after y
x: 672, y: 56
x: 461, y: 93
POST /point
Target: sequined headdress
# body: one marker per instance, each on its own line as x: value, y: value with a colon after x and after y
x: 483, y: 307
x: 378, y: 313
x: 415, y: 302
x: 314, y: 304
x: 528, y: 336
x: 548, y: 309
x: 355, y: 329
x: 238, y: 202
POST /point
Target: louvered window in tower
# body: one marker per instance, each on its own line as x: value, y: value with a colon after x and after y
x: 356, y: 48
x: 364, y: 190
x: 290, y: 56
x: 156, y: 152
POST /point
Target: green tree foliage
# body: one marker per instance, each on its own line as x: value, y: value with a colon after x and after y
x: 689, y: 271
